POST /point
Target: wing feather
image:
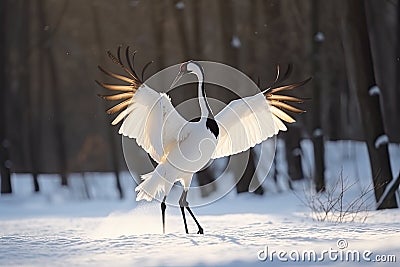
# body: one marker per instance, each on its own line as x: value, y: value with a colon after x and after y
x: 148, y: 116
x: 243, y: 124
x: 152, y: 121
x: 249, y: 121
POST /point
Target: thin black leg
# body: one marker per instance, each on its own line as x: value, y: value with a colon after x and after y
x: 163, y: 207
x: 183, y: 203
x: 184, y: 219
x: 195, y: 220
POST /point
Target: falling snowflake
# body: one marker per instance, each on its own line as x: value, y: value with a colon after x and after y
x: 236, y: 42
x: 180, y: 5
x: 317, y: 132
x: 319, y: 37
x: 374, y: 90
x: 381, y: 140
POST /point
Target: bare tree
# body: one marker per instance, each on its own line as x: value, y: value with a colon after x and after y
x: 178, y: 12
x: 57, y: 104
x: 55, y: 95
x: 110, y: 130
x: 4, y: 143
x: 243, y: 184
x: 361, y: 78
x: 226, y: 15
x: 397, y: 87
x: 27, y: 98
x: 317, y: 133
x: 158, y: 12
x: 197, y: 31
x: 231, y: 56
x: 293, y: 152
x: 382, y: 28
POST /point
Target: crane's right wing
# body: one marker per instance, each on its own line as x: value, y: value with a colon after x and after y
x: 148, y: 116
x: 248, y: 121
x: 244, y: 123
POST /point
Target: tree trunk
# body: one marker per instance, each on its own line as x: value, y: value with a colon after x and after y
x: 110, y: 131
x: 226, y: 13
x: 244, y: 182
x: 252, y: 69
x: 382, y: 30
x: 28, y: 98
x: 317, y: 133
x: 390, y: 191
x: 197, y: 34
x: 231, y: 57
x: 293, y: 153
x: 397, y: 88
x: 252, y: 58
x: 6, y: 187
x: 362, y: 80
x: 206, y: 179
x: 158, y: 11
x: 180, y: 24
x: 55, y: 95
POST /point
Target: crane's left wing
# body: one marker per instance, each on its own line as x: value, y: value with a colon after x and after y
x: 153, y: 121
x: 149, y: 116
x: 249, y: 121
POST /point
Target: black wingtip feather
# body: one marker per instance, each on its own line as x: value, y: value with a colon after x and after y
x: 145, y: 67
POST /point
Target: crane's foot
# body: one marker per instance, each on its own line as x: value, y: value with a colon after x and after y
x: 201, y: 232
x: 195, y: 220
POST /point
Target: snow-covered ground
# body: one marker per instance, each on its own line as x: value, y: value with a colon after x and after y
x: 60, y: 228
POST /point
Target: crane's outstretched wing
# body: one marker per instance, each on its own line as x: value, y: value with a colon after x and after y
x: 148, y: 116
x: 249, y: 121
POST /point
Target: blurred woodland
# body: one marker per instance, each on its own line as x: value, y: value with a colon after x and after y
x: 51, y: 120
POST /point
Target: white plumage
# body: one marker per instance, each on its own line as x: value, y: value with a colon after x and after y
x: 182, y: 148
x: 164, y: 134
x: 243, y: 124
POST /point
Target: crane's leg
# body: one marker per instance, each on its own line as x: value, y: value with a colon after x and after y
x: 183, y: 203
x: 163, y: 207
x: 194, y: 218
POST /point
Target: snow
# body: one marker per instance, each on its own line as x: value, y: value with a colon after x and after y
x: 374, y: 90
x: 180, y: 5
x: 319, y: 37
x: 381, y: 140
x: 62, y: 228
x: 233, y: 237
x: 236, y: 42
x: 317, y: 132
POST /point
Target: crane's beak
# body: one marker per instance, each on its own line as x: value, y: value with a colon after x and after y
x: 182, y: 71
x: 177, y: 78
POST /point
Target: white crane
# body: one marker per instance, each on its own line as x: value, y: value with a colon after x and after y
x: 150, y: 118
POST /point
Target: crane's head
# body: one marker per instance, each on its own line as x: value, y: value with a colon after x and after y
x: 187, y: 68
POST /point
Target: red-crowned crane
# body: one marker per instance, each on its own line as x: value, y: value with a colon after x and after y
x: 151, y: 119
